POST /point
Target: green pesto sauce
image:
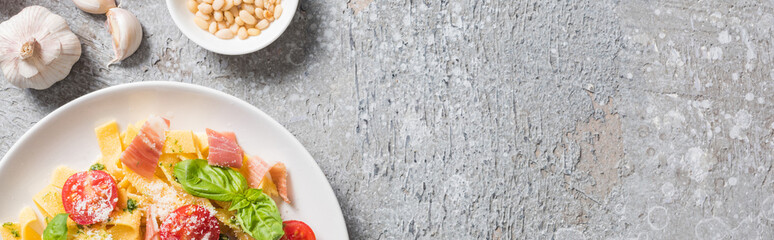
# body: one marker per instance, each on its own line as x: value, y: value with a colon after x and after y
x: 131, y: 205
x: 97, y: 166
x: 12, y: 229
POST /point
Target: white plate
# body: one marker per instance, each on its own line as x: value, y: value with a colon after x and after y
x: 66, y: 137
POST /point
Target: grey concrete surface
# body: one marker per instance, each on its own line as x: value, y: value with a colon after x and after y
x: 451, y: 119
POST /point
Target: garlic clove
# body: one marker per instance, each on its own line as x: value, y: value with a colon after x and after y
x: 37, y: 48
x: 126, y: 31
x: 95, y: 6
x: 27, y: 69
x: 53, y: 50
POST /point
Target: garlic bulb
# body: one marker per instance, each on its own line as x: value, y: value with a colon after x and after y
x: 95, y: 6
x: 126, y: 31
x: 37, y: 48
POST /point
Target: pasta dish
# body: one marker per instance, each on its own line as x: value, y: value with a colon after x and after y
x: 154, y: 183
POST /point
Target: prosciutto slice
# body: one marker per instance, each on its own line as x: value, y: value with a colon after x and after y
x: 279, y: 174
x: 224, y: 149
x: 258, y: 168
x: 142, y: 155
x: 151, y: 225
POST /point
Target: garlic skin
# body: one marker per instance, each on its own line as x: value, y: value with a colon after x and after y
x: 95, y: 6
x: 126, y: 31
x: 37, y: 48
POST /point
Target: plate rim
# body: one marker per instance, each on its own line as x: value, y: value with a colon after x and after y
x: 175, y: 86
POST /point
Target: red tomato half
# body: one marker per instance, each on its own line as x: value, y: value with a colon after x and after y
x: 297, y: 230
x: 190, y: 222
x: 90, y: 196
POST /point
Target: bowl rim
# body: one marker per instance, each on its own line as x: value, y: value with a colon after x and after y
x: 289, y: 11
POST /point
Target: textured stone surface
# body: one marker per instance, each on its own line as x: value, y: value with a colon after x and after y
x: 595, y: 119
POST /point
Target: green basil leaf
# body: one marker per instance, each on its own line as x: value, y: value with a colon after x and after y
x: 239, y: 204
x: 56, y: 228
x: 253, y: 195
x: 202, y: 180
x: 261, y: 219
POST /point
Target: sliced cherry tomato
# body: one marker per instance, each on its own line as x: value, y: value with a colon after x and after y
x: 190, y: 222
x: 89, y: 197
x: 297, y: 230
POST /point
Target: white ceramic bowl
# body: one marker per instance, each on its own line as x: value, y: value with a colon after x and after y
x: 184, y: 20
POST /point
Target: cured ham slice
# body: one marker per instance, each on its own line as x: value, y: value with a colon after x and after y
x: 224, y: 149
x: 151, y: 225
x: 257, y: 169
x: 279, y: 174
x: 142, y: 155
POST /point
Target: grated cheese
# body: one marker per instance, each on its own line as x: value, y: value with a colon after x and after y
x: 164, y: 199
x: 94, y: 234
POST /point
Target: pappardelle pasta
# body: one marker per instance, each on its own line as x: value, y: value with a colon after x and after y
x: 154, y: 183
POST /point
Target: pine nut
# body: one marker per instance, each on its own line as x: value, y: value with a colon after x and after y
x: 201, y: 23
x: 202, y: 15
x: 218, y: 4
x: 242, y: 33
x: 247, y: 17
x: 263, y: 24
x: 218, y: 15
x: 213, y: 27
x: 193, y: 6
x: 278, y: 11
x: 248, y: 7
x: 205, y: 8
x: 229, y: 17
x: 224, y: 34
